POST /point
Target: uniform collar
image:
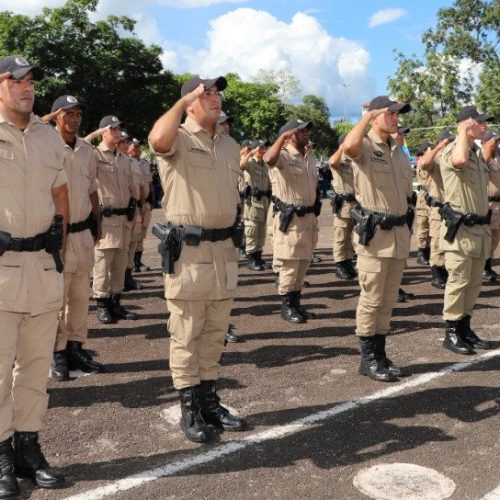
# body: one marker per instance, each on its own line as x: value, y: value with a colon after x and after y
x: 33, y: 119
x: 291, y: 149
x: 195, y: 128
x: 377, y: 140
x: 105, y: 149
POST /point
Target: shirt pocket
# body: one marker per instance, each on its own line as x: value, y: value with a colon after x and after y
x: 6, y: 164
x: 471, y: 174
x: 201, y: 172
x: 382, y: 173
x: 10, y: 281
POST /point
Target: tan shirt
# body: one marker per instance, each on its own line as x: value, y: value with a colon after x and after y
x: 80, y: 165
x: 494, y: 177
x: 147, y: 176
x: 256, y: 175
x: 114, y: 180
x: 382, y: 182
x: 343, y: 182
x: 199, y: 176
x: 31, y: 165
x: 294, y: 180
x: 467, y: 192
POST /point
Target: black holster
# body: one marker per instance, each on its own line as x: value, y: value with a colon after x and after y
x: 132, y: 205
x: 4, y: 241
x: 336, y: 201
x: 238, y: 232
x: 452, y: 221
x: 365, y: 225
x: 54, y: 241
x: 170, y: 246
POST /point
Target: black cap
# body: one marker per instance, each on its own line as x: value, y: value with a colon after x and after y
x: 223, y: 118
x: 136, y: 142
x: 66, y: 102
x: 445, y: 134
x: 384, y: 101
x: 403, y: 130
x: 110, y: 121
x: 471, y: 112
x: 246, y: 143
x: 423, y: 147
x: 19, y: 67
x: 124, y: 136
x: 490, y: 134
x: 257, y: 144
x: 298, y: 124
x: 220, y: 82
x: 341, y: 138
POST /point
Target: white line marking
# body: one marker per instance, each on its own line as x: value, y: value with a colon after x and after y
x: 273, y: 433
x: 493, y: 495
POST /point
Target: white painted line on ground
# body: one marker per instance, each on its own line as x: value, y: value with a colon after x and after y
x: 271, y: 434
x: 493, y: 495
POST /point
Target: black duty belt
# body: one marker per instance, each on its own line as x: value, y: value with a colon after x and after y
x: 253, y: 192
x: 420, y: 187
x: 77, y: 227
x: 433, y: 202
x: 193, y: 235
x: 386, y: 221
x: 33, y: 244
x: 493, y: 198
x: 347, y: 197
x: 475, y: 219
x: 109, y: 211
x: 299, y: 210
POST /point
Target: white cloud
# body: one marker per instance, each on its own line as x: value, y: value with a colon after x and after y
x: 28, y: 7
x: 246, y: 40
x: 385, y: 16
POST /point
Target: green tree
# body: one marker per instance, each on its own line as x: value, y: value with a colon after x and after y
x: 100, y: 62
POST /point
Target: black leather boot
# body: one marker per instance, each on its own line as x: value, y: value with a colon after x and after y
x: 343, y: 271
x: 489, y: 275
x: 130, y: 283
x: 215, y: 414
x: 104, y: 312
x: 438, y: 277
x: 423, y: 255
x: 260, y: 260
x: 30, y: 463
x: 192, y: 423
x: 369, y: 365
x: 253, y: 262
x: 9, y: 487
x: 404, y: 296
x: 80, y: 359
x: 453, y: 339
x: 296, y: 296
x: 470, y: 337
x: 351, y: 269
x: 59, y: 369
x: 119, y: 312
x: 231, y: 338
x: 288, y: 311
x: 382, y: 359
x: 139, y: 266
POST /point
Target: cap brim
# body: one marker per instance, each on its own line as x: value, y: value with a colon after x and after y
x: 115, y: 125
x: 219, y: 82
x: 36, y: 71
x: 305, y: 125
x: 399, y: 107
x: 484, y: 117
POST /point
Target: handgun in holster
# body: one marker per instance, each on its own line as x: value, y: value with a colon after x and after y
x: 335, y: 201
x: 238, y: 232
x: 452, y: 221
x: 364, y: 226
x: 4, y: 241
x: 54, y: 241
x: 317, y: 203
x: 93, y: 225
x: 286, y: 216
x: 170, y: 246
x: 132, y: 205
x: 410, y: 217
x: 247, y: 194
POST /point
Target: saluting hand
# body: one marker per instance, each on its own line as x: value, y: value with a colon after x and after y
x: 5, y: 76
x: 377, y: 112
x: 188, y: 99
x: 289, y: 134
x: 51, y: 116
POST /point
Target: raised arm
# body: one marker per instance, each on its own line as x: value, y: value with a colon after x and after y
x: 428, y: 158
x: 353, y: 143
x: 460, y: 153
x: 334, y: 160
x: 273, y: 153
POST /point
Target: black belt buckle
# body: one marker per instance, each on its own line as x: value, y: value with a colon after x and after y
x: 192, y: 235
x: 300, y: 211
x: 386, y: 223
x: 5, y: 239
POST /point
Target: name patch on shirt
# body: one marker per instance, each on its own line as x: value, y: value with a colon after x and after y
x: 194, y: 149
x: 378, y: 157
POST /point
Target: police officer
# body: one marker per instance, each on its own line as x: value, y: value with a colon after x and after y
x: 225, y: 122
x: 342, y: 202
x: 199, y: 169
x: 382, y: 182
x: 423, y: 222
x: 434, y: 198
x: 490, y: 144
x: 80, y: 165
x: 294, y: 180
x: 135, y: 151
x: 115, y: 188
x: 465, y: 230
x: 33, y: 189
x: 257, y: 195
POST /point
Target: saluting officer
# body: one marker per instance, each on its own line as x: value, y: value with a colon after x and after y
x: 33, y: 190
x: 80, y: 165
x: 115, y: 188
x: 257, y: 195
x: 199, y: 170
x: 343, y: 201
x: 465, y: 230
x: 434, y: 198
x: 490, y: 143
x: 294, y: 180
x: 383, y: 187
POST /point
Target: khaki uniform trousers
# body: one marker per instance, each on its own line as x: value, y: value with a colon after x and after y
x: 437, y: 255
x: 495, y: 227
x: 342, y: 238
x: 132, y: 248
x: 146, y: 220
x: 379, y: 279
x: 109, y: 272
x: 255, y: 235
x: 465, y: 277
x: 74, y: 313
x: 422, y: 221
x: 26, y: 343
x: 197, y: 332
x: 291, y: 274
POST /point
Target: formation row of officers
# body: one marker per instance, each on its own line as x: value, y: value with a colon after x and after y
x: 67, y: 199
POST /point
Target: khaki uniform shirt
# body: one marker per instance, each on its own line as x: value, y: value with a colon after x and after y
x: 494, y: 177
x: 343, y: 182
x: 136, y: 186
x: 114, y: 180
x: 80, y: 165
x: 199, y: 176
x: 256, y: 175
x: 147, y: 176
x: 31, y: 165
x: 382, y: 182
x: 467, y: 192
x: 294, y: 180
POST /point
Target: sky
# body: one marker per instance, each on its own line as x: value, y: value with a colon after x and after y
x: 342, y: 51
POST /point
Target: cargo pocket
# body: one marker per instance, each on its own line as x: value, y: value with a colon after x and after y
x: 10, y: 280
x: 197, y: 278
x: 51, y: 281
x: 231, y: 263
